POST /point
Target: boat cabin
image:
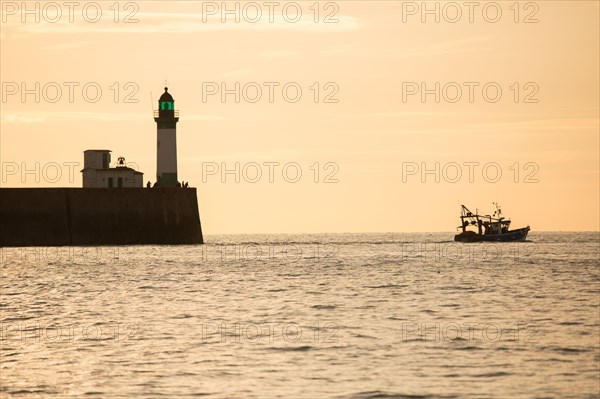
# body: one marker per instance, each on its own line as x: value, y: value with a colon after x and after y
x: 496, y: 227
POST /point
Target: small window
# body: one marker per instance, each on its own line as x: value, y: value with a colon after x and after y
x: 120, y: 182
x: 110, y: 182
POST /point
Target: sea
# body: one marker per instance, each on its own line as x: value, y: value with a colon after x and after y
x: 348, y: 316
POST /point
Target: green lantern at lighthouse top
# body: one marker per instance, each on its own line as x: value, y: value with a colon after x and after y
x: 166, y: 102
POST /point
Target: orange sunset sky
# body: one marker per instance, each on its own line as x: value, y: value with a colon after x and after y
x: 364, y: 58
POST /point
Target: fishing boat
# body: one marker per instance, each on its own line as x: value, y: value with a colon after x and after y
x: 489, y: 227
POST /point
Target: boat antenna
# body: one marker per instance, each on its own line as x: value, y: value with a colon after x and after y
x: 498, y: 210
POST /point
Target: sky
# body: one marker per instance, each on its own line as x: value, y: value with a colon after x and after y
x: 317, y: 117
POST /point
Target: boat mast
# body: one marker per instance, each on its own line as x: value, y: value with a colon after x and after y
x: 469, y: 216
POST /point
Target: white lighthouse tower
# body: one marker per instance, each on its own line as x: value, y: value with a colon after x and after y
x: 166, y: 150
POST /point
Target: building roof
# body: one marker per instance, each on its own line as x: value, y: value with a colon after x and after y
x: 97, y: 151
x: 166, y: 96
x: 119, y: 169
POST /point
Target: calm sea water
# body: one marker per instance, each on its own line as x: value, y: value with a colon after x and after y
x: 307, y: 316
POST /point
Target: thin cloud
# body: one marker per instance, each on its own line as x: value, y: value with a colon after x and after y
x: 67, y: 46
x: 41, y: 117
x: 22, y: 119
x: 162, y: 23
x: 460, y: 46
x: 237, y: 73
x: 280, y: 54
x: 402, y: 114
x: 547, y: 124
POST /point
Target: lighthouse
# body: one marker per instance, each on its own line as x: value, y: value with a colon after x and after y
x: 166, y: 147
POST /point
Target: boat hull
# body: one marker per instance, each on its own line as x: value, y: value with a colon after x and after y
x: 512, y: 235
